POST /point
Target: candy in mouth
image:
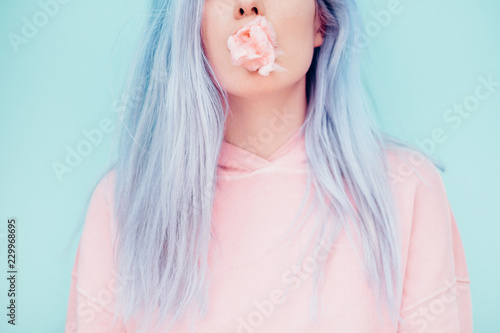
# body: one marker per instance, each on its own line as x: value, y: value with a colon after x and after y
x: 254, y: 47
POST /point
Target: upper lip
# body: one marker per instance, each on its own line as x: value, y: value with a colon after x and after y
x: 237, y: 29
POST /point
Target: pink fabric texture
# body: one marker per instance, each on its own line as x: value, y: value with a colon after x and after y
x: 255, y: 202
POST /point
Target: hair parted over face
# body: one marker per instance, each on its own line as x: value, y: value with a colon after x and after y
x: 295, y: 23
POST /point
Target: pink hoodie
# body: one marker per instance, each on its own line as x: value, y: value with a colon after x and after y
x: 256, y: 200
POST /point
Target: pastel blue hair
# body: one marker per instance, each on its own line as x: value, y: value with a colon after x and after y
x: 166, y: 164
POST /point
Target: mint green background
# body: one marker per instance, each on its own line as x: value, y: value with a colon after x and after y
x: 67, y: 77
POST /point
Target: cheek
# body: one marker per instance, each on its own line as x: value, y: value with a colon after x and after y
x: 295, y: 28
x: 212, y: 41
x: 217, y: 54
x: 214, y: 30
x: 297, y: 41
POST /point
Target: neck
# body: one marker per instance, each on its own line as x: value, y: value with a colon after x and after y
x: 261, y: 124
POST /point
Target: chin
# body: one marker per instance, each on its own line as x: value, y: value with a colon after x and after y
x: 252, y: 84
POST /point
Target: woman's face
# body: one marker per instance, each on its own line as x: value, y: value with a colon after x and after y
x: 297, y: 34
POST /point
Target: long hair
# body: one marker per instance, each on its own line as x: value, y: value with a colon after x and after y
x: 169, y: 141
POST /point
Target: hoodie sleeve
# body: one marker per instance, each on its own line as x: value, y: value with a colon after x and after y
x: 94, y: 281
x: 436, y: 291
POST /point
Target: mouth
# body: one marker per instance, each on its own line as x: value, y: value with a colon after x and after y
x: 254, y: 46
x: 248, y: 24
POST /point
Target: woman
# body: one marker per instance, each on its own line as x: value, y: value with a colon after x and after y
x: 253, y: 192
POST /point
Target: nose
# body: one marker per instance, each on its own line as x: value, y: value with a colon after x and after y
x: 246, y: 8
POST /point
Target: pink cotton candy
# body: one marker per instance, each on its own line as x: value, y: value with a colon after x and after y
x: 254, y: 47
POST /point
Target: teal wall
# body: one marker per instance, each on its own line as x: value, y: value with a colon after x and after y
x: 62, y: 83
x: 425, y: 62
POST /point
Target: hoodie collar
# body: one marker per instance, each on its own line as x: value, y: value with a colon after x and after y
x: 292, y: 154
